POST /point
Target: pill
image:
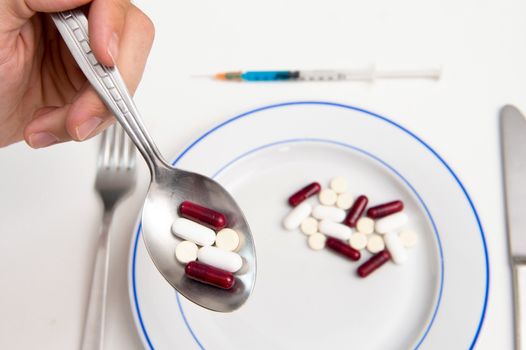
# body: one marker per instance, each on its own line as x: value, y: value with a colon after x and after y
x: 294, y: 219
x: 344, y: 201
x: 375, y: 243
x: 395, y: 248
x: 304, y: 193
x: 385, y: 209
x: 335, y: 229
x: 391, y: 223
x: 358, y: 241
x: 373, y: 263
x: 408, y: 238
x: 227, y: 239
x: 222, y: 259
x: 209, y: 275
x: 316, y: 241
x: 342, y: 248
x: 339, y: 184
x: 205, y: 216
x: 356, y: 211
x: 325, y: 212
x: 192, y: 231
x: 365, y: 225
x: 309, y: 226
x: 328, y: 197
x: 186, y: 251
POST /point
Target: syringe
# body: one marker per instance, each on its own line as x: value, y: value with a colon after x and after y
x: 362, y: 74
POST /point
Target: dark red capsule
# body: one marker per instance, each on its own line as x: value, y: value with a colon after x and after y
x: 356, y: 211
x: 342, y: 248
x: 373, y: 263
x: 385, y: 209
x: 210, y: 275
x: 306, y: 192
x: 203, y: 215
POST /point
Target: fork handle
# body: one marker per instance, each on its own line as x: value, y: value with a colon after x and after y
x: 95, y: 323
x: 107, y: 81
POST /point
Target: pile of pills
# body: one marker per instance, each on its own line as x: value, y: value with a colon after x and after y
x: 210, y: 257
x: 338, y: 223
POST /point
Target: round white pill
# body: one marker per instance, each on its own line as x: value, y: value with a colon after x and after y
x: 309, y: 226
x: 325, y: 212
x: 358, y: 241
x: 391, y: 223
x: 297, y: 215
x: 375, y: 243
x: 186, y: 251
x: 316, y: 241
x: 365, y: 225
x: 344, y: 201
x: 339, y: 184
x: 328, y: 197
x: 408, y: 238
x: 222, y: 259
x: 227, y: 239
x: 395, y: 247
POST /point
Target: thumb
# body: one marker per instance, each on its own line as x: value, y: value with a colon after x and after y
x: 106, y: 24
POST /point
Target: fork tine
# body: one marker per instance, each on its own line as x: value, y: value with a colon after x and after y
x: 131, y: 154
x: 104, y: 150
x: 128, y: 152
x: 114, y: 149
x: 122, y: 151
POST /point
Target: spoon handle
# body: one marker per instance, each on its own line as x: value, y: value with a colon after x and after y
x: 107, y: 81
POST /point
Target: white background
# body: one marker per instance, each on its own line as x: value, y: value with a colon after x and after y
x: 49, y: 213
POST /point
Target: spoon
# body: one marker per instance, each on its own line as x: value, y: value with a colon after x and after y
x: 169, y: 186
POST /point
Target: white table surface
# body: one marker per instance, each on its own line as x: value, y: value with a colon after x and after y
x: 49, y: 213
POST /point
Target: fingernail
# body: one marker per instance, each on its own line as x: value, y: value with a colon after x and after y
x: 86, y: 129
x: 42, y: 139
x: 113, y: 47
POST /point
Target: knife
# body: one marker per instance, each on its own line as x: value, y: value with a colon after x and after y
x: 513, y: 146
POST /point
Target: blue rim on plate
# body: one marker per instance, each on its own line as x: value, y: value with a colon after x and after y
x: 374, y: 158
x: 483, y: 313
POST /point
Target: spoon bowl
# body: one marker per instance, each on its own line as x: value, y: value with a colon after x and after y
x: 168, y: 187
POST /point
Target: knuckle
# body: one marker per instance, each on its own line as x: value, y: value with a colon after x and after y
x: 149, y: 27
x: 144, y: 24
x: 121, y: 6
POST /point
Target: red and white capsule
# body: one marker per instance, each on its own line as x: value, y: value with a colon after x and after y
x: 342, y: 248
x: 373, y: 263
x: 385, y: 209
x: 356, y: 211
x: 209, y: 275
x: 205, y: 216
x: 306, y: 192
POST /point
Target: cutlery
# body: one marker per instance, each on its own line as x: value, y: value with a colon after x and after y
x: 513, y: 144
x: 116, y: 177
x: 169, y: 186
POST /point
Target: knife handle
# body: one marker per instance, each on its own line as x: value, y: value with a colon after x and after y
x: 519, y: 297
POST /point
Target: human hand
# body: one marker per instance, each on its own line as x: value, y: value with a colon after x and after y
x: 44, y: 96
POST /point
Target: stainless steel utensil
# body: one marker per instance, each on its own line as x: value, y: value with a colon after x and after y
x: 116, y: 177
x: 169, y: 186
x: 513, y: 142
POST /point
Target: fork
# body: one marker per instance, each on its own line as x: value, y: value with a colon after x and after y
x: 116, y: 177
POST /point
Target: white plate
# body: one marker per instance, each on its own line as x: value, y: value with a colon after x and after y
x: 312, y: 300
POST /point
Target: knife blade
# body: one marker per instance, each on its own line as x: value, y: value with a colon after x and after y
x: 513, y: 139
x: 513, y: 147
